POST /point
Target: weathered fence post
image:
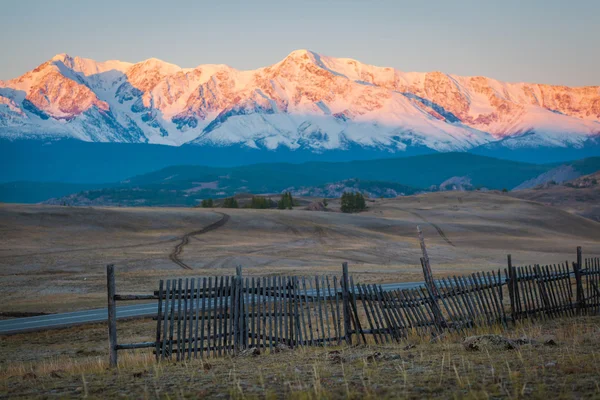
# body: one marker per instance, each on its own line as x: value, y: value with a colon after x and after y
x: 112, y: 315
x: 238, y: 312
x: 511, y: 288
x: 346, y: 301
x: 578, y: 282
x: 430, y: 284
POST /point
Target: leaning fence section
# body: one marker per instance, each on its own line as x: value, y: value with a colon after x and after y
x: 208, y: 317
x: 217, y: 316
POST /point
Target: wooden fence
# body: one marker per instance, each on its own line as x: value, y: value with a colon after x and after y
x: 216, y: 316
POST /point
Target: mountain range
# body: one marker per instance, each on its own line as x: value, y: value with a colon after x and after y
x: 307, y: 102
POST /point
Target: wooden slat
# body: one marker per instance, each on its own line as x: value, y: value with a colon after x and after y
x: 321, y: 325
x: 191, y: 319
x: 303, y: 339
x: 553, y: 276
x: 227, y: 312
x: 285, y: 334
x: 337, y: 310
x: 364, y: 300
x: 163, y: 353
x: 326, y: 296
x: 377, y: 317
x: 271, y: 312
x: 252, y: 328
x: 203, y: 316
x: 487, y: 276
x: 355, y: 317
x: 424, y: 308
x: 533, y: 292
x: 450, y: 297
x: 466, y: 301
x: 481, y: 295
x: 393, y: 323
x: 405, y: 309
x: 391, y: 307
x: 415, y: 308
x: 544, y: 290
x: 308, y: 312
x: 185, y: 315
x: 197, y: 315
x: 159, y: 319
x: 179, y: 296
x: 385, y: 313
x: 396, y: 309
x: 265, y: 310
x: 561, y: 289
x: 172, y: 324
x: 298, y: 334
x: 209, y: 323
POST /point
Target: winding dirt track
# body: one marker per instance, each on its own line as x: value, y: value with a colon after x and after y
x: 437, y: 228
x: 185, y: 239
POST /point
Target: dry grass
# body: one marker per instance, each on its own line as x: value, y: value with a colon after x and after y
x: 53, y: 259
x: 427, y: 370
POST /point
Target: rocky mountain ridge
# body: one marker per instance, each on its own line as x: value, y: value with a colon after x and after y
x: 306, y: 101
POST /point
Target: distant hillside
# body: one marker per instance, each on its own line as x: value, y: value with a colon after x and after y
x: 371, y: 189
x: 187, y: 185
x: 36, y: 192
x: 419, y: 172
x: 563, y: 173
x: 579, y: 196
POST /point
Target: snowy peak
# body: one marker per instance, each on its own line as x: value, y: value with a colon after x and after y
x: 306, y: 100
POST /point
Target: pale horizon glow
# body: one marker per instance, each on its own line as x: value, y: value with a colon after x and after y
x: 553, y: 42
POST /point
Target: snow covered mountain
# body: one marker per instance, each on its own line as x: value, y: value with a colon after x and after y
x: 306, y: 101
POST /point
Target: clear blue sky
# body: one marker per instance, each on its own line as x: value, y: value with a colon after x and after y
x: 546, y: 41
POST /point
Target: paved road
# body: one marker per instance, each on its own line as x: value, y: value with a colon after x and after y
x: 53, y: 321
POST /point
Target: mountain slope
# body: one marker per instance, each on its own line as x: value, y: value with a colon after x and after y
x: 306, y: 101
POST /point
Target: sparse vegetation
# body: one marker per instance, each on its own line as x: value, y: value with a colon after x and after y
x: 260, y: 202
x: 286, y: 201
x: 416, y: 368
x: 207, y: 203
x: 230, y: 202
x: 353, y: 202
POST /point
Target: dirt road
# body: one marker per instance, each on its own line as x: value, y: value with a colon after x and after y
x: 185, y: 239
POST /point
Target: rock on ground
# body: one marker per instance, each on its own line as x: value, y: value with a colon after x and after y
x: 490, y: 342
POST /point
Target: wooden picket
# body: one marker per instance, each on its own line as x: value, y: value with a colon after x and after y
x: 218, y: 316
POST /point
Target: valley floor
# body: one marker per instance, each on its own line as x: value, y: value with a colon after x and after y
x: 53, y: 258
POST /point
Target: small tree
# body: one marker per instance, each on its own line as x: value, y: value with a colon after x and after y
x: 286, y: 201
x: 505, y: 190
x: 325, y: 203
x: 207, y: 203
x: 353, y: 202
x: 260, y: 202
x: 230, y: 202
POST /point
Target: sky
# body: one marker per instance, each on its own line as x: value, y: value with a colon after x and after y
x: 555, y: 42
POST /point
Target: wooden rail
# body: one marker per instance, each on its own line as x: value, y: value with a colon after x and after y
x: 215, y: 316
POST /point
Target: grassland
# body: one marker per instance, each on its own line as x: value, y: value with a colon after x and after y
x: 53, y: 258
x: 417, y: 368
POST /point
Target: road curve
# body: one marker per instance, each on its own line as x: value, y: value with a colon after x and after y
x: 63, y: 320
x: 185, y: 239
